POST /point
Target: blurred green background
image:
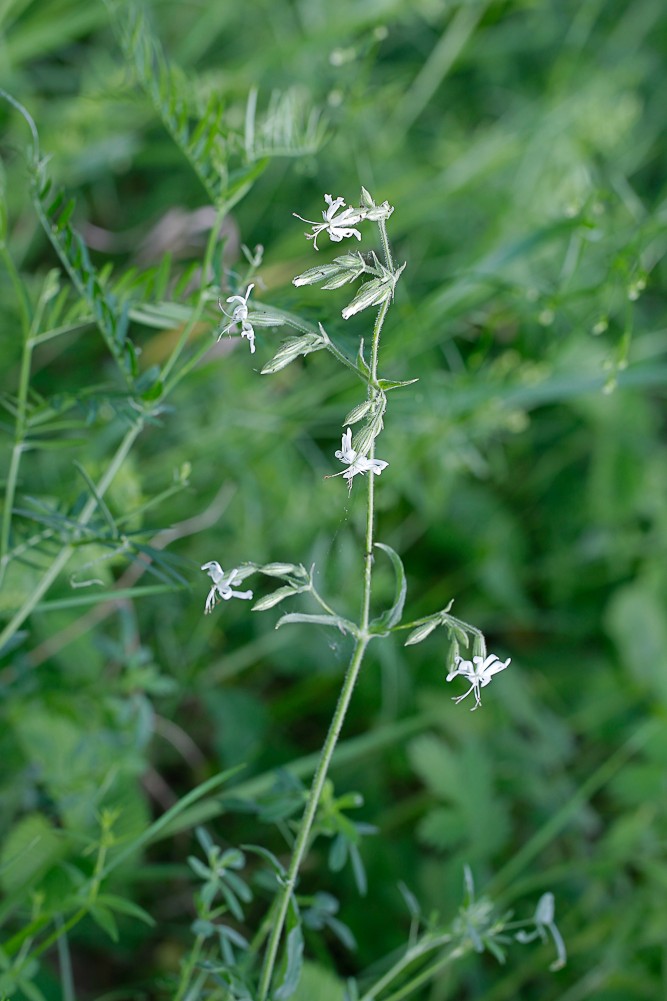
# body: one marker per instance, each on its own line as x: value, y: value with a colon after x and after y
x: 522, y: 145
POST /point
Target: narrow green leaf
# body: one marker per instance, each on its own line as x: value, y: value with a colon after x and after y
x: 318, y: 620
x: 268, y: 856
x: 103, y: 917
x: 361, y: 361
x: 393, y: 614
x: 123, y: 906
x: 338, y: 853
x: 388, y: 384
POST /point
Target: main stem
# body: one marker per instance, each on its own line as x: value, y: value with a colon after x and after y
x: 301, y: 843
x: 282, y: 903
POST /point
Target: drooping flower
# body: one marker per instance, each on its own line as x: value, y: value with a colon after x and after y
x: 338, y: 224
x: 479, y: 672
x: 240, y: 315
x: 222, y: 585
x: 356, y: 463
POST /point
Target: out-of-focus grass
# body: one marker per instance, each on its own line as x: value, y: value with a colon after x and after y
x: 522, y: 145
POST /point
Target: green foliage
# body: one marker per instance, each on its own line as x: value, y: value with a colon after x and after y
x: 523, y: 148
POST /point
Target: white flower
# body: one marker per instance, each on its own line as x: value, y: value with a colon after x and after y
x: 222, y: 585
x: 479, y: 671
x: 339, y: 226
x: 356, y: 463
x: 240, y: 315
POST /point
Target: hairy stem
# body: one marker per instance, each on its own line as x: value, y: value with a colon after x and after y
x: 301, y: 844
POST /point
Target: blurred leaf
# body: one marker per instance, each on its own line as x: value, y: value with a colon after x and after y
x: 31, y: 847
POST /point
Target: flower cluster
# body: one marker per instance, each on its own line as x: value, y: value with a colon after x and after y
x: 479, y: 671
x: 222, y: 585
x: 240, y: 315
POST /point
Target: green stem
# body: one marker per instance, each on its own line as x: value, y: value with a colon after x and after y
x: 409, y: 957
x: 408, y: 989
x: 370, y: 507
x: 386, y: 249
x: 64, y: 555
x: 300, y: 845
x: 51, y: 939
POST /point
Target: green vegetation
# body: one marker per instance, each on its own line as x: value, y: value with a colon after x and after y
x: 155, y: 761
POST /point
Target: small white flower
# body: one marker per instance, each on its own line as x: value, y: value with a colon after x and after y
x: 339, y: 227
x: 356, y: 463
x: 479, y: 671
x: 222, y: 585
x: 240, y: 315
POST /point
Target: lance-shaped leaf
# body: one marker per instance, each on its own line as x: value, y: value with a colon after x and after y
x: 344, y: 625
x: 362, y: 364
x: 388, y: 384
x: 393, y: 615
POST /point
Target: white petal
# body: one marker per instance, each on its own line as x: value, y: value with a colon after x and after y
x: 214, y: 570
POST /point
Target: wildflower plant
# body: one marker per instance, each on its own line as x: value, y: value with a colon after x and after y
x: 125, y: 710
x: 279, y: 972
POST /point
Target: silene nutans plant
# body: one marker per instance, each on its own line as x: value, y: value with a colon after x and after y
x: 432, y: 946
